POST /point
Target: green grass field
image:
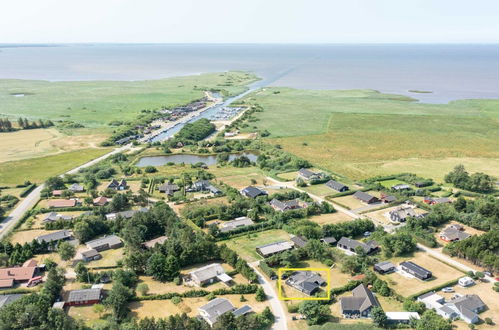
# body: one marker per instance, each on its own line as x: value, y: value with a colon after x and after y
x: 359, y: 134
x: 390, y: 183
x: 39, y: 169
x: 96, y: 103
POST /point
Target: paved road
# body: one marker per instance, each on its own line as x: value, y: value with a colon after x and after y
x: 29, y: 201
x: 280, y: 322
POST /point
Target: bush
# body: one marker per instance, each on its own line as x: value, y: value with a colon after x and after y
x: 176, y: 300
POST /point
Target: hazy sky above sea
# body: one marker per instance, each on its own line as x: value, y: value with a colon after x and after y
x: 247, y: 21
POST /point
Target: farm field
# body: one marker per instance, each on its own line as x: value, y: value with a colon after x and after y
x: 334, y: 135
x: 41, y: 142
x: 96, y: 103
x: 39, y: 169
x: 406, y: 286
x: 245, y: 247
x: 330, y: 218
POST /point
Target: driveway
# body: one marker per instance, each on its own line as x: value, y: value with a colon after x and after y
x: 275, y: 304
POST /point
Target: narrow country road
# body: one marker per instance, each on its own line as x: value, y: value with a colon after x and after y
x: 280, y: 322
x: 29, y: 201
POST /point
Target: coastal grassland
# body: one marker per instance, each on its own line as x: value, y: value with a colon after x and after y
x: 44, y: 141
x: 39, y: 169
x: 96, y: 103
x: 362, y: 133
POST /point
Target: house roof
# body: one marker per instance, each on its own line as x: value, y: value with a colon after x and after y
x: 242, y: 310
x: 471, y: 302
x: 306, y: 173
x: 76, y: 187
x: 415, y: 268
x: 385, y: 265
x: 305, y: 281
x: 403, y: 212
x: 84, y: 295
x: 452, y: 234
x: 111, y: 240
x: 125, y: 214
x: 101, y: 200
x: 275, y: 247
x: 328, y: 240
x: 351, y: 243
x: 365, y: 197
x: 7, y: 283
x: 152, y: 243
x: 56, y: 236
x: 336, y: 185
x: 362, y: 299
x: 8, y: 299
x: 17, y: 273
x: 401, y: 186
x: 285, y: 205
x: 388, y: 198
x: 30, y: 263
x: 402, y: 316
x: 89, y: 253
x: 253, y: 192
x: 169, y: 188
x: 299, y: 241
x: 238, y: 222
x: 61, y: 202
x: 217, y: 307
x: 207, y: 272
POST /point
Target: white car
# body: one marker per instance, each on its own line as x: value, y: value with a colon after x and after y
x: 448, y: 289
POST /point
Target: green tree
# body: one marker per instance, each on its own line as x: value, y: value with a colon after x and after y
x: 260, y: 294
x: 117, y: 300
x: 379, y: 316
x: 98, y: 309
x: 66, y: 251
x: 143, y: 288
x: 314, y: 311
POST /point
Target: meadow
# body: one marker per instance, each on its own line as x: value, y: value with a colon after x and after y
x: 37, y: 170
x: 361, y: 133
x: 96, y: 103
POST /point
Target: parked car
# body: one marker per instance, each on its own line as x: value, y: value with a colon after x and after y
x: 448, y: 289
x: 367, y: 234
x: 487, y: 274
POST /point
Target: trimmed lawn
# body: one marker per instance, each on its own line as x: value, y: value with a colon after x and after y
x: 405, y: 286
x: 87, y: 315
x: 26, y: 236
x: 245, y: 247
x: 320, y: 190
x: 288, y: 176
x: 331, y: 218
x: 109, y: 258
x: 390, y: 183
x: 243, y: 180
x: 349, y: 201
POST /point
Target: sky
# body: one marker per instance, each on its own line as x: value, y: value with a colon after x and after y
x: 249, y: 21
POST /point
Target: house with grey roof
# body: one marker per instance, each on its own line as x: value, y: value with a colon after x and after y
x: 54, y: 216
x: 467, y: 307
x: 283, y: 206
x: 89, y: 255
x: 105, y: 243
x: 306, y: 281
x: 384, y: 267
x: 328, y: 240
x: 338, y: 186
x: 401, y: 317
x: 401, y: 214
x: 308, y: 175
x: 451, y: 234
x: 365, y: 197
x: 204, y: 185
x: 349, y: 245
x: 360, y: 304
x: 84, y: 297
x: 152, y: 243
x: 274, y: 248
x: 168, y: 188
x: 76, y: 188
x: 400, y: 187
x: 209, y: 274
x: 253, y: 192
x: 214, y: 309
x: 299, y: 241
x: 125, y: 214
x: 243, y: 310
x: 7, y: 299
x: 57, y: 236
x: 236, y: 223
x: 436, y: 200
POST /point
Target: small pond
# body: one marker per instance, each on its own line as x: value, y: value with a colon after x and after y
x: 189, y: 159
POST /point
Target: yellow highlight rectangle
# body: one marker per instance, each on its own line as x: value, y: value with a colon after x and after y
x: 279, y: 284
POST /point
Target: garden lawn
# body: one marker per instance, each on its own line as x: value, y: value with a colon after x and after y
x: 245, y: 247
x: 330, y: 218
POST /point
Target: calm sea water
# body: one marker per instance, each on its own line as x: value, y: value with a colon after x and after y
x: 450, y: 71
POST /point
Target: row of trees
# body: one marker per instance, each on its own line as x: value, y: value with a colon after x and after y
x: 23, y: 123
x: 477, y: 182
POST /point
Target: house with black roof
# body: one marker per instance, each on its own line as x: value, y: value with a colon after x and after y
x: 415, y: 270
x: 309, y: 175
x: 360, y: 304
x: 365, y: 197
x: 338, y: 186
x: 350, y: 245
x: 253, y: 192
x: 306, y: 281
x: 114, y: 184
x: 168, y: 188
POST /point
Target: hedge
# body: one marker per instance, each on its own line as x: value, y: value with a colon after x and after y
x: 347, y: 287
x: 27, y: 190
x: 266, y: 268
x: 246, y: 230
x: 236, y: 289
x: 441, y: 286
